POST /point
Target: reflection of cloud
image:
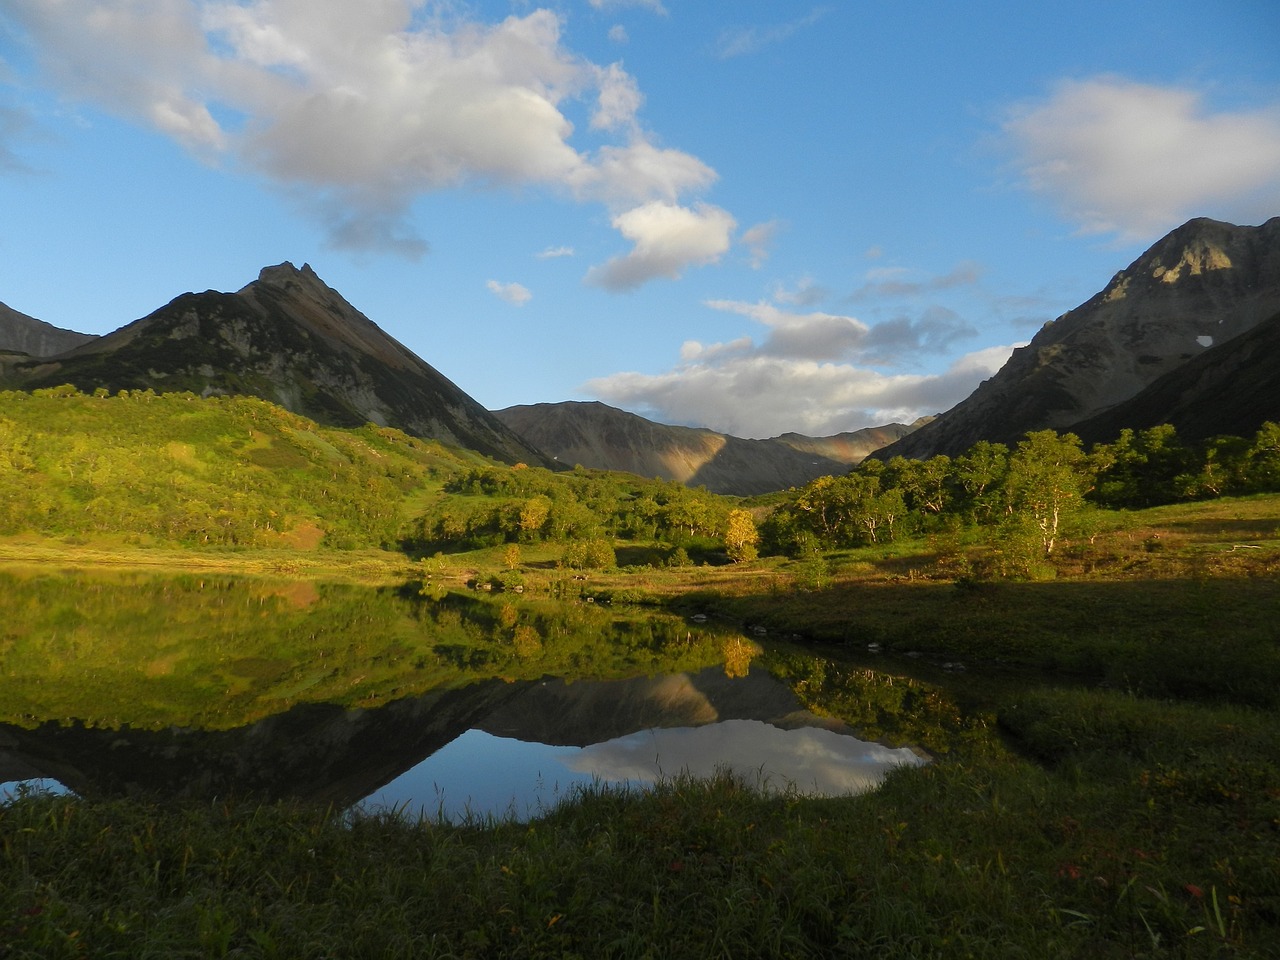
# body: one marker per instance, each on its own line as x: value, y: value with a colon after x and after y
x: 1137, y: 159
x: 812, y: 759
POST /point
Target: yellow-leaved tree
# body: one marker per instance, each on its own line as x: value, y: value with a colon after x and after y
x: 740, y: 536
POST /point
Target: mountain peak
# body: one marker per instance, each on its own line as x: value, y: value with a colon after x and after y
x: 285, y: 274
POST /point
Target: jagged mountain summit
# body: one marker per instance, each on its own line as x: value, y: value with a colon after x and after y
x: 291, y: 339
x: 1194, y: 291
x: 596, y: 435
x: 20, y: 333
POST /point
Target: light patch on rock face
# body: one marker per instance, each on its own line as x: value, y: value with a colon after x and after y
x: 1205, y: 341
x: 1118, y: 289
x: 1195, y: 260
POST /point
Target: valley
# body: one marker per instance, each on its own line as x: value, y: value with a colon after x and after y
x: 258, y: 562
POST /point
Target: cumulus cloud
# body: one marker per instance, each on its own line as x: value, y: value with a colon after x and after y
x: 515, y: 294
x: 667, y: 239
x: 757, y: 396
x: 1136, y: 159
x: 357, y: 109
x: 810, y: 372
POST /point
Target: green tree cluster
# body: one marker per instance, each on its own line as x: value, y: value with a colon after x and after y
x: 1032, y: 493
x: 492, y: 505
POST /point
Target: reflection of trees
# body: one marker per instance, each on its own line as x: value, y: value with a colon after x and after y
x: 214, y: 653
x: 738, y: 654
x: 880, y: 706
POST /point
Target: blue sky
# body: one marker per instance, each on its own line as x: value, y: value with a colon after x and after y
x: 759, y: 217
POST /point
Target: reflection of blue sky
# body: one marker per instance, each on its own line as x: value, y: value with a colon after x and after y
x: 11, y: 788
x: 494, y: 775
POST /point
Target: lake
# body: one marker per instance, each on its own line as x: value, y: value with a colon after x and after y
x: 448, y: 704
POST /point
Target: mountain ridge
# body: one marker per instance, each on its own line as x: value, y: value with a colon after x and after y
x: 1203, y: 284
x: 602, y: 437
x: 23, y: 334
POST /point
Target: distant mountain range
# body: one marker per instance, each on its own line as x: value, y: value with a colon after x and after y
x: 1188, y: 334
x: 22, y: 334
x: 603, y: 437
x: 1164, y: 341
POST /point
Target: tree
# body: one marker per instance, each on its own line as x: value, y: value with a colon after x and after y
x: 1046, y: 483
x: 740, y: 537
x: 533, y: 514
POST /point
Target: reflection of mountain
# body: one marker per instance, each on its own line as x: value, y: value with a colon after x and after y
x: 317, y: 752
x: 576, y: 714
x: 326, y: 753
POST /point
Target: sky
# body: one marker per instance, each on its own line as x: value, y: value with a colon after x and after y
x: 758, y: 217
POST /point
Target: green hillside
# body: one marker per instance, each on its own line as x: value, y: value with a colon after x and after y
x: 224, y: 471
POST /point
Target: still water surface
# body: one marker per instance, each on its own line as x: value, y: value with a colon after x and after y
x: 436, y: 705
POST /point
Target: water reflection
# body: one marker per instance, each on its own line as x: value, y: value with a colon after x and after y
x: 194, y: 687
x: 480, y: 775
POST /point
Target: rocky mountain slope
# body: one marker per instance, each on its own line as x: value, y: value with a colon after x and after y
x: 1231, y: 389
x: 20, y: 333
x: 602, y: 437
x: 290, y: 339
x: 1198, y: 288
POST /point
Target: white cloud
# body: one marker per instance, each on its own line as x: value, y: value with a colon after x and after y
x: 618, y: 100
x: 667, y: 239
x: 514, y: 293
x: 894, y: 282
x: 618, y: 34
x: 811, y: 372
x: 553, y: 253
x: 808, y: 336
x: 740, y: 41
x: 759, y: 239
x: 763, y: 396
x: 1136, y: 159
x: 806, y: 293
x: 354, y: 110
x: 640, y: 171
x: 654, y: 5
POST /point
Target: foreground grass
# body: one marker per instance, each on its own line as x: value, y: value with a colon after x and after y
x: 1163, y: 847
